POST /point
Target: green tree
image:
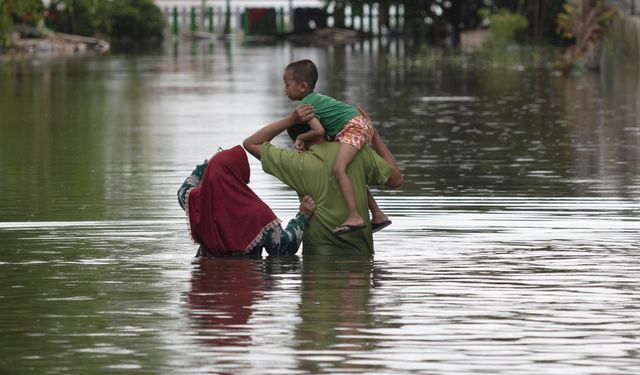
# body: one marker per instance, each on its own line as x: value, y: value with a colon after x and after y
x: 131, y: 20
x: 118, y: 19
x: 13, y: 12
x: 5, y: 23
x: 72, y: 16
x: 504, y: 26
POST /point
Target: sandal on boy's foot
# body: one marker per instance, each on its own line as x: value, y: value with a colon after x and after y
x: 379, y: 226
x: 347, y: 228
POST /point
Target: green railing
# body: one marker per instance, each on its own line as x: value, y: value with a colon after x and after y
x: 228, y: 20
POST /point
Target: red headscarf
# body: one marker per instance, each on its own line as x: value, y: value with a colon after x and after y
x: 225, y: 215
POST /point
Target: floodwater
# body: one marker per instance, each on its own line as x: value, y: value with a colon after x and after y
x: 514, y: 247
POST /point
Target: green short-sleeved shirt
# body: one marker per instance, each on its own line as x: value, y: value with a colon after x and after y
x: 332, y: 114
x: 310, y: 173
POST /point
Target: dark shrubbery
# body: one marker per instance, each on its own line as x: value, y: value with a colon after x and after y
x: 71, y: 17
x: 18, y: 12
x: 130, y: 20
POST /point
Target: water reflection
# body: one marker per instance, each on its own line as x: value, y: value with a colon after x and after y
x: 335, y: 310
x: 221, y: 300
x: 513, y: 247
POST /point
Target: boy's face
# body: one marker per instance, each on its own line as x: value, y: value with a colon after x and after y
x: 293, y: 90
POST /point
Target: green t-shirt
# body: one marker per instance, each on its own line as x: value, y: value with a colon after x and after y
x: 309, y: 173
x: 332, y: 114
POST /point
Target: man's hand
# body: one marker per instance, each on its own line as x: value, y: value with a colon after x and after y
x: 253, y: 144
x: 302, y: 114
x: 307, y: 206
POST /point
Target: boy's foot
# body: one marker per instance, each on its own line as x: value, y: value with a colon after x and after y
x: 347, y: 228
x: 379, y: 226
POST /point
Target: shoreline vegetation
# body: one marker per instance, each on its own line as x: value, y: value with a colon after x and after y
x: 77, y: 26
x: 580, y: 27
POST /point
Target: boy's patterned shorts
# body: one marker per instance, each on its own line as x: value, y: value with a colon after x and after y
x: 357, y: 132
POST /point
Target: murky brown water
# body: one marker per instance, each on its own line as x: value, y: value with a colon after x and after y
x: 514, y: 248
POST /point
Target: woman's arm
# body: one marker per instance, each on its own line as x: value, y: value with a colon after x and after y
x: 191, y: 182
x: 287, y: 241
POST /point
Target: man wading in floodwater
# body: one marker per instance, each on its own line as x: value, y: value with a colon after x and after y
x: 310, y: 173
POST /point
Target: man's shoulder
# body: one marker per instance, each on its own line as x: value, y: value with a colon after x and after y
x: 324, y: 146
x: 330, y: 149
x: 321, y: 151
x: 277, y: 157
x: 269, y: 151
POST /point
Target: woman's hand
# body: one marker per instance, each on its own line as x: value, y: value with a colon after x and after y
x: 307, y: 206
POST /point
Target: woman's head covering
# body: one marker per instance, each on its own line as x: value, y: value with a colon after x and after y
x: 225, y: 215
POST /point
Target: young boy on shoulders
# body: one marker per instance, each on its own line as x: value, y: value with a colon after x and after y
x: 339, y: 122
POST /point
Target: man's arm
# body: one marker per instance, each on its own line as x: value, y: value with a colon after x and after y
x: 253, y: 144
x: 396, y: 179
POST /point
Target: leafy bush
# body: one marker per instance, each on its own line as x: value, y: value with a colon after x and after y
x: 72, y: 16
x: 118, y: 19
x: 131, y: 20
x: 12, y: 12
x: 24, y: 11
x: 504, y: 26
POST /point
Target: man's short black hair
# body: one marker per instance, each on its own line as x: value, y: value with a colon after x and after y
x: 304, y: 71
x: 297, y: 129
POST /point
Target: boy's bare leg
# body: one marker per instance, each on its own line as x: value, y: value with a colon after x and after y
x: 378, y: 145
x: 346, y: 153
x: 377, y: 216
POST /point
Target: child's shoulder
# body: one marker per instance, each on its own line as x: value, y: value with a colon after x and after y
x: 315, y: 97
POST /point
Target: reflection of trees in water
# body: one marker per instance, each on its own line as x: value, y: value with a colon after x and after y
x: 602, y: 115
x: 498, y: 123
x: 491, y: 122
x: 49, y: 124
x: 473, y: 123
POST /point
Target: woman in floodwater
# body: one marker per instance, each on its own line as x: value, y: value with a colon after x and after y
x: 227, y: 218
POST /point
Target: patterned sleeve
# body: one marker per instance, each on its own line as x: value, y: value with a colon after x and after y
x: 191, y: 182
x: 285, y: 241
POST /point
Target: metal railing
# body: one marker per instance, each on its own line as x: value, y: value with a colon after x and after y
x: 228, y: 16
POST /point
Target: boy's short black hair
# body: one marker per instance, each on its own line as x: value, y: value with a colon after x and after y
x: 304, y: 71
x: 297, y: 129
